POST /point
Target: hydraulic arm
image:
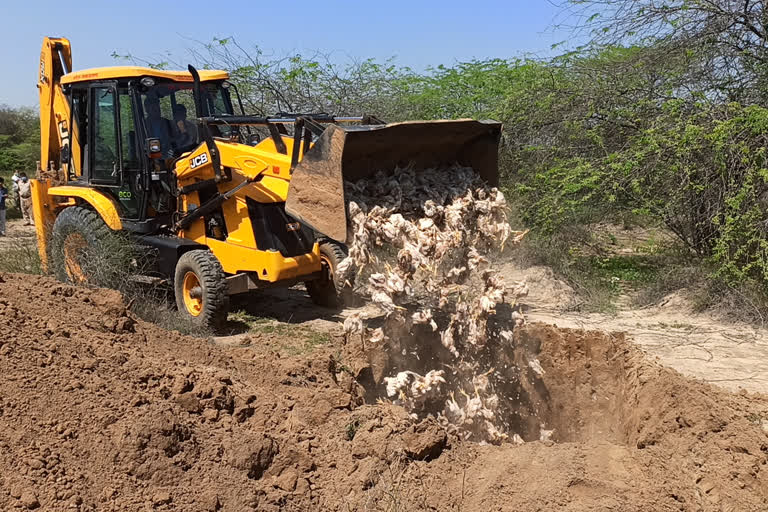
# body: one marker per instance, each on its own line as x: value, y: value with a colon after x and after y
x: 55, y: 61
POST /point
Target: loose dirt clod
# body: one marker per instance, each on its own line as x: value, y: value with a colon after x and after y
x: 29, y: 500
x: 628, y: 434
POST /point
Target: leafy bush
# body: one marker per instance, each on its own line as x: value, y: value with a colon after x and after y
x: 696, y: 167
x: 19, y: 140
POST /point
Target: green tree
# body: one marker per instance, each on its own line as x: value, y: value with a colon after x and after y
x: 727, y: 38
x: 19, y: 139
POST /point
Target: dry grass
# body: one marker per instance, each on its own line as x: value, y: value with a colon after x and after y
x: 117, y: 262
x: 113, y: 264
x: 610, y: 267
x: 19, y: 256
x: 290, y: 339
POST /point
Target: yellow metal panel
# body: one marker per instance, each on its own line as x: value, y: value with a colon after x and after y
x: 271, y: 170
x: 250, y: 165
x: 249, y: 161
x: 196, y: 230
x: 268, y: 190
x: 239, y: 227
x: 42, y: 211
x: 102, y: 203
x: 54, y: 106
x: 202, y: 170
x: 254, y: 160
x: 270, y: 265
x: 75, y: 144
x: 112, y: 72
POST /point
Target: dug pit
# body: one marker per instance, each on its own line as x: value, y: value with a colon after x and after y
x: 566, y: 386
x: 607, y: 429
x: 558, y: 385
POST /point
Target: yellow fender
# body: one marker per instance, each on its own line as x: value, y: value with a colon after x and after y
x: 44, y: 209
x: 104, y: 205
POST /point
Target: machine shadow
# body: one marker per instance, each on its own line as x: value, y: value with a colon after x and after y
x: 288, y: 305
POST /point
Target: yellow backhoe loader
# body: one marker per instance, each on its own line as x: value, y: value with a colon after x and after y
x: 227, y: 203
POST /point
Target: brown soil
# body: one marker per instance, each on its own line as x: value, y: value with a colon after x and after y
x: 100, y: 411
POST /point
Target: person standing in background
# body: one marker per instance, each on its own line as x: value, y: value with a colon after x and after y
x: 3, y: 196
x: 15, y: 189
x: 25, y: 196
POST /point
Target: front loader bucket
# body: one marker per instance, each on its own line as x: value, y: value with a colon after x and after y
x: 350, y: 153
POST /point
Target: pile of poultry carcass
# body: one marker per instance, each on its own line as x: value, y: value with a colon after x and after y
x: 420, y: 248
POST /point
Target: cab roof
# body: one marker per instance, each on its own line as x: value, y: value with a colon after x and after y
x: 110, y: 73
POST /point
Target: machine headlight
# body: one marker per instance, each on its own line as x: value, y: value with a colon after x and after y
x: 226, y: 85
x: 147, y: 81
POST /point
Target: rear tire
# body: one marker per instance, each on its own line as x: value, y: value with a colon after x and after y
x: 78, y: 233
x: 326, y: 291
x: 201, y: 289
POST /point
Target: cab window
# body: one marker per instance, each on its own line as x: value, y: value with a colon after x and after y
x: 130, y: 192
x: 79, y: 134
x: 169, y: 114
x: 104, y: 140
x: 128, y: 132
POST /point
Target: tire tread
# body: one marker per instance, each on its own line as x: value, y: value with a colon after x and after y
x: 74, y: 219
x: 323, y: 295
x: 211, y: 276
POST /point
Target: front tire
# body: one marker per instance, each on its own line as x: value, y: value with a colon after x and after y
x: 201, y: 289
x: 78, y: 236
x: 326, y: 291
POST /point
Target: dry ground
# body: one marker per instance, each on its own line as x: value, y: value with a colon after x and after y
x: 17, y: 234
x: 101, y: 411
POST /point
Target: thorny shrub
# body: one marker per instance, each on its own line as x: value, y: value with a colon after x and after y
x: 117, y: 262
x: 698, y: 169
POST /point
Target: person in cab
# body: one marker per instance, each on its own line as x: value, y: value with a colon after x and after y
x: 186, y: 130
x: 157, y: 126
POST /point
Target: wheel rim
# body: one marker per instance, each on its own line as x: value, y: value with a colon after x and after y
x: 325, y: 262
x: 74, y: 244
x: 193, y: 294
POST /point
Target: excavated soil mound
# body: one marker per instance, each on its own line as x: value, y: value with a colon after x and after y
x: 100, y: 411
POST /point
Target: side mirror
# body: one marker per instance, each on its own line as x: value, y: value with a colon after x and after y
x: 154, y: 149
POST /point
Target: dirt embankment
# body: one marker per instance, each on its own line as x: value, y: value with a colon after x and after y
x: 100, y: 411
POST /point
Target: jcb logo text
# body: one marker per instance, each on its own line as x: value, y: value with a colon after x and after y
x: 198, y: 160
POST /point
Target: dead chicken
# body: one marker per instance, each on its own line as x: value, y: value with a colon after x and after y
x: 424, y: 316
x: 425, y: 237
x: 413, y: 390
x: 353, y: 325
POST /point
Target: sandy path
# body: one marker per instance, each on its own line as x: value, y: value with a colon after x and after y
x: 17, y: 234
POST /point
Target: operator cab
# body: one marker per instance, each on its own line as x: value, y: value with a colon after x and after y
x: 115, y: 119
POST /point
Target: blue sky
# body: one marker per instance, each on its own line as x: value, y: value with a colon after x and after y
x: 418, y: 33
